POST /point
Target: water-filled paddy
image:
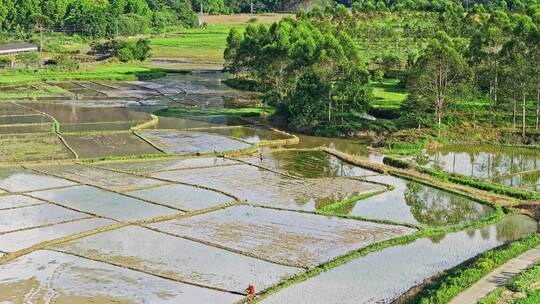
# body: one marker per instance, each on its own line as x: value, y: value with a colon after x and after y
x: 53, y: 277
x: 98, y: 177
x: 197, y: 122
x: 249, y: 134
x: 182, y: 143
x: 262, y: 187
x: 20, y: 180
x: 352, y: 147
x: 182, y: 197
x: 104, y: 203
x: 382, y: 276
x: 103, y: 145
x: 33, y: 216
x: 309, y: 164
x: 149, y: 166
x: 415, y: 203
x: 293, y: 238
x: 14, y: 241
x: 65, y: 113
x: 178, y: 258
x: 15, y: 201
x: 489, y: 162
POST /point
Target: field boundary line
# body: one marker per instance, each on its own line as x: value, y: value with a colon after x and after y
x: 56, y: 127
x: 178, y: 280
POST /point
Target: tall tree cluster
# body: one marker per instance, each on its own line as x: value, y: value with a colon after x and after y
x: 104, y: 18
x: 310, y: 70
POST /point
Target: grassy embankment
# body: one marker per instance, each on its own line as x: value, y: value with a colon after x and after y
x: 460, y: 278
x: 522, y: 289
x: 244, y: 112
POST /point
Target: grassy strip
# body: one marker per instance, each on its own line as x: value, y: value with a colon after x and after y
x: 482, y: 185
x: 462, y: 277
x: 526, y: 282
x: 428, y: 232
x: 465, y: 180
x: 533, y: 298
x: 96, y: 72
x: 340, y: 206
x: 244, y: 112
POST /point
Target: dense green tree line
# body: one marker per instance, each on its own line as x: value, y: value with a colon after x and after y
x: 442, y: 57
x: 312, y: 71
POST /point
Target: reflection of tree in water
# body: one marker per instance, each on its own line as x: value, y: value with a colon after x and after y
x: 434, y: 207
x: 515, y: 227
x: 310, y: 164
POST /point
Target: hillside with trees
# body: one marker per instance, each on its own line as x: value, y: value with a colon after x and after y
x: 463, y: 65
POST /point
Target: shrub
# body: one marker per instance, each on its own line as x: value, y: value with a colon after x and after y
x: 395, y: 162
x: 125, y: 54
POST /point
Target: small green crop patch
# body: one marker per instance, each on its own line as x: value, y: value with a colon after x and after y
x: 244, y: 112
x: 28, y: 148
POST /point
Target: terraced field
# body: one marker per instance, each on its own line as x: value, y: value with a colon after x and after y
x: 102, y: 201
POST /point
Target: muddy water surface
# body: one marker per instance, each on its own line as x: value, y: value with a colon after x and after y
x: 309, y: 164
x: 287, y: 237
x: 149, y: 166
x: 178, y: 258
x: 33, y: 216
x: 249, y: 134
x: 19, y: 180
x: 103, y: 145
x: 262, y: 187
x: 98, y: 177
x: 104, y: 203
x: 14, y: 241
x: 53, y: 277
x: 182, y: 142
x: 394, y: 270
x: 182, y: 197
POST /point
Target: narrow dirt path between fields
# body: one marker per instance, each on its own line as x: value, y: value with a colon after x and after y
x: 498, y: 277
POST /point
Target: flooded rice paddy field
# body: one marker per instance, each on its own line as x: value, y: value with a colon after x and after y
x: 415, y: 203
x: 182, y: 142
x: 185, y: 229
x: 394, y: 270
x: 266, y: 188
x: 306, y: 163
x: 293, y: 238
x: 112, y: 144
x: 511, y: 166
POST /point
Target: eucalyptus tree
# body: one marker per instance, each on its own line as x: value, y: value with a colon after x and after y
x: 517, y: 55
x: 439, y: 74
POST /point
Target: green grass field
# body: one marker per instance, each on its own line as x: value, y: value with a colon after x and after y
x: 388, y: 95
x: 113, y: 71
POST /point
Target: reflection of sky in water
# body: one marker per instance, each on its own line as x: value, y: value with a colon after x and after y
x: 490, y: 162
x: 394, y: 270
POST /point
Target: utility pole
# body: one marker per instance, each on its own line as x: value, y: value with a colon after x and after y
x: 201, y: 21
x: 41, y: 37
